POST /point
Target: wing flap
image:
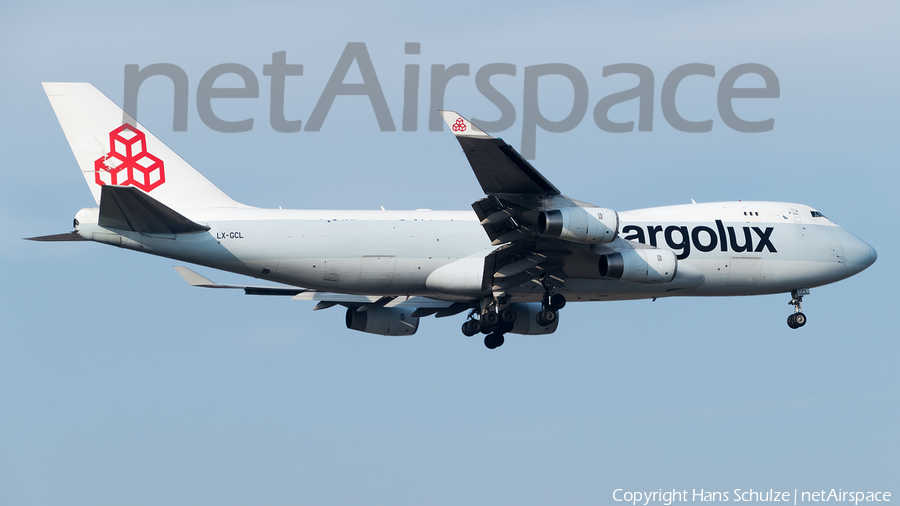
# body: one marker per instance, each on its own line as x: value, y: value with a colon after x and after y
x: 501, y: 220
x: 375, y: 300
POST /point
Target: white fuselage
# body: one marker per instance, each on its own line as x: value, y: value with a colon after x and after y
x: 395, y: 252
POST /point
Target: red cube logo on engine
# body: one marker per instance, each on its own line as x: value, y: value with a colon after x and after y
x: 128, y: 162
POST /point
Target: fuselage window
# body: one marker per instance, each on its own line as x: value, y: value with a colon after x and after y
x: 817, y: 214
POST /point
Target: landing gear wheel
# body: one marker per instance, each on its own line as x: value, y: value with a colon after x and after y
x: 471, y: 327
x: 490, y: 320
x: 494, y: 340
x: 557, y: 302
x: 791, y: 322
x: 546, y: 317
x: 508, y: 315
x: 796, y: 320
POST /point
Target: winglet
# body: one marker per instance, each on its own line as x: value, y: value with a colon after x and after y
x: 461, y: 127
x: 192, y: 277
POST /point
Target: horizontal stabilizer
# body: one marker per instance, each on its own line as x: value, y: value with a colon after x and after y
x: 195, y: 279
x: 68, y: 236
x: 127, y: 208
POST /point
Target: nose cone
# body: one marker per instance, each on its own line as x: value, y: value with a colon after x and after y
x: 859, y: 254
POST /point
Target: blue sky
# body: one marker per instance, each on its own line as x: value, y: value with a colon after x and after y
x: 119, y: 384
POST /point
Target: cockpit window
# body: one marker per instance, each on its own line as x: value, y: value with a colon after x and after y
x: 817, y: 214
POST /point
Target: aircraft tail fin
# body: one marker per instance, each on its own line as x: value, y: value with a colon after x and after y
x: 113, y: 149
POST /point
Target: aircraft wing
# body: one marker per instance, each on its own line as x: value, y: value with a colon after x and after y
x: 424, y: 306
x: 516, y: 194
x: 498, y: 166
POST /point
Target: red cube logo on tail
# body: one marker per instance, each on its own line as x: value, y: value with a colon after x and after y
x: 128, y: 162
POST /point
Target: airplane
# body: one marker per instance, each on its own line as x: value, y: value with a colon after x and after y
x: 512, y: 263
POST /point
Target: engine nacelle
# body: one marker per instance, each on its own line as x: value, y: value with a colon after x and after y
x: 525, y: 323
x: 384, y: 321
x: 586, y: 225
x: 640, y: 265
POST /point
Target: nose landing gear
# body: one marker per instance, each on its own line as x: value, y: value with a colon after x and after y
x: 798, y: 319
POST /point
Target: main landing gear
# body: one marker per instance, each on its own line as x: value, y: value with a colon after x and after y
x: 491, y: 322
x: 798, y: 319
x: 494, y: 322
x: 550, y: 305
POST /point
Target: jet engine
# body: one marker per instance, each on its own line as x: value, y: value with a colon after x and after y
x: 640, y: 265
x: 586, y: 225
x: 384, y: 321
